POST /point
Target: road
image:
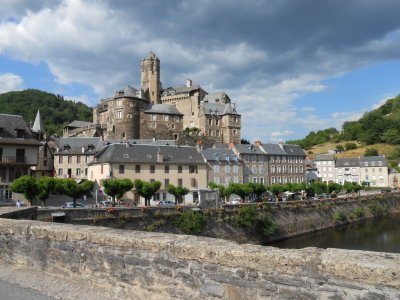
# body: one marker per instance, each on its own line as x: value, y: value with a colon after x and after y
x: 10, y: 291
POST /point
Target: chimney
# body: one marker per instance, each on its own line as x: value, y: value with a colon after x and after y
x: 160, y: 157
x: 83, y: 149
x: 188, y: 83
x: 231, y: 145
x: 257, y: 143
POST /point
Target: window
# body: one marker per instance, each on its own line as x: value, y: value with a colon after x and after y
x: 152, y: 180
x: 87, y: 158
x: 119, y: 103
x: 20, y: 155
x: 137, y: 168
x: 20, y: 133
x: 164, y: 196
x: 154, y: 117
x: 101, y: 169
x: 235, y: 179
x: 119, y: 114
x: 255, y: 179
x: 166, y: 118
x: 60, y: 159
x: 261, y: 170
x: 173, y: 126
x: 210, y: 132
x: 78, y: 172
x: 166, y: 182
x: 121, y: 169
x: 235, y: 169
x: 179, y: 169
x: 78, y: 159
x: 216, y: 169
x: 60, y: 172
x: 192, y: 169
x: 193, y: 182
x: 86, y: 172
x: 217, y: 122
x: 180, y: 182
x: 157, y: 197
x: 227, y: 169
x: 254, y: 158
x: 69, y: 159
x: 152, y: 168
x: 166, y: 169
x: 209, y: 121
x: 216, y: 180
x: 176, y: 118
x: 254, y: 169
x: 227, y: 180
x: 217, y: 132
x: 153, y: 125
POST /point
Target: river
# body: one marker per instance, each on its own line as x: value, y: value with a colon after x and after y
x: 376, y: 234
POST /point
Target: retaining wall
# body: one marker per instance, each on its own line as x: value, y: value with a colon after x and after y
x: 143, y: 265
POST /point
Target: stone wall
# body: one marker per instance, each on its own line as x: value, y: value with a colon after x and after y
x: 140, y: 265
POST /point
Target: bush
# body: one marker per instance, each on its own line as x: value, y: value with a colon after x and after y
x: 338, y: 216
x: 191, y: 222
x: 340, y: 148
x: 266, y: 226
x: 245, y: 216
x: 350, y: 146
x: 359, y: 212
x: 371, y: 152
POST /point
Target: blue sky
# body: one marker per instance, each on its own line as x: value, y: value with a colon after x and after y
x: 290, y: 66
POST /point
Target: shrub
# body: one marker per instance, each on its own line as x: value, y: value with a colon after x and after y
x: 266, y: 226
x: 191, y: 222
x: 350, y: 146
x: 338, y: 216
x: 245, y: 216
x: 359, y: 212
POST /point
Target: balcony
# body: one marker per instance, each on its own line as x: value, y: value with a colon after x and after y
x: 12, y: 160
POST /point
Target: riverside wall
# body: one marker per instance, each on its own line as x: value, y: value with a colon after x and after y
x: 150, y: 265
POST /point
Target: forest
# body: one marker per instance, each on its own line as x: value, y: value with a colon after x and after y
x: 56, y: 112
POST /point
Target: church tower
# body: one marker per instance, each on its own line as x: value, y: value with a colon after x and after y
x: 150, y: 77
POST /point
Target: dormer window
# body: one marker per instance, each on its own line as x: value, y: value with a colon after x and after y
x: 90, y: 147
x: 20, y: 133
x: 67, y: 147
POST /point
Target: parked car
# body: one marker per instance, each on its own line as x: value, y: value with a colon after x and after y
x: 105, y: 203
x: 162, y: 203
x: 71, y: 205
x: 235, y: 201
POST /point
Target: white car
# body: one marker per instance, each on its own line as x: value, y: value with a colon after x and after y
x: 235, y: 201
x: 71, y: 205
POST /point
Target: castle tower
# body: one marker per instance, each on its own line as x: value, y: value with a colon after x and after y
x: 150, y: 77
x: 38, y: 128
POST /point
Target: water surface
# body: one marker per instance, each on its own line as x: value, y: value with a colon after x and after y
x: 376, y: 234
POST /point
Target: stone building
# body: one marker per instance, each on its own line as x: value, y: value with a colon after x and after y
x: 326, y: 167
x: 179, y: 165
x: 255, y: 163
x: 154, y: 112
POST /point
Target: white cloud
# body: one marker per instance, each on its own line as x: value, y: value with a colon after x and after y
x: 284, y: 133
x: 10, y: 82
x: 307, y: 108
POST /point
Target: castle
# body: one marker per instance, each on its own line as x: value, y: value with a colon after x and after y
x: 154, y: 112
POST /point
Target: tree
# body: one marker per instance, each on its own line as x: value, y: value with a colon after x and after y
x: 276, y: 188
x: 371, y: 152
x: 244, y: 141
x: 350, y: 146
x: 318, y: 187
x: 391, y: 136
x: 258, y: 188
x: 339, y: 147
x: 46, y: 186
x: 221, y: 188
x: 116, y: 188
x: 177, y: 191
x: 70, y: 187
x: 334, y: 188
x: 240, y: 189
x: 27, y: 186
x: 146, y: 189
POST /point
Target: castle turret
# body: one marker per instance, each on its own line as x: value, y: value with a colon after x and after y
x: 150, y: 78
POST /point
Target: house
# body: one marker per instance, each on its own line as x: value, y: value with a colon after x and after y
x: 374, y: 171
x: 326, y: 167
x: 177, y: 165
x: 18, y: 152
x: 347, y: 170
x: 223, y: 166
x: 394, y: 177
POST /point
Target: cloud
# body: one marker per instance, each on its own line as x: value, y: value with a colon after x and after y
x: 10, y: 82
x: 284, y: 133
x: 221, y: 45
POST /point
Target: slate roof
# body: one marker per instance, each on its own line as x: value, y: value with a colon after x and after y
x: 347, y: 162
x: 248, y: 149
x: 293, y: 150
x: 220, y: 154
x: 181, y: 89
x: 218, y: 97
x: 38, y: 124
x: 74, y: 145
x: 121, y: 153
x: 373, y: 161
x: 163, y: 109
x: 128, y: 91
x: 219, y: 109
x: 393, y: 171
x: 9, y: 125
x: 324, y: 157
x: 79, y: 124
x: 273, y: 149
x: 140, y: 142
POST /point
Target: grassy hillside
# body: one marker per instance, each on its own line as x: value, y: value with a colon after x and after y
x: 55, y: 111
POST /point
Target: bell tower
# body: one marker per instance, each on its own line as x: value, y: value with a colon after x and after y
x: 150, y: 77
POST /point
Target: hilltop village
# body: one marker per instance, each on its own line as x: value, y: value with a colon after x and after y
x: 181, y: 135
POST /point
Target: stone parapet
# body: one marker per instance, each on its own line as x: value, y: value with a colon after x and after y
x: 140, y: 265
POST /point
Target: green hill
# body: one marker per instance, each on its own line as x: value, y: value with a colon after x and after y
x: 381, y: 125
x: 55, y: 111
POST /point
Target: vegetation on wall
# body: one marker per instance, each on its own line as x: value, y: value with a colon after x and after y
x: 55, y: 111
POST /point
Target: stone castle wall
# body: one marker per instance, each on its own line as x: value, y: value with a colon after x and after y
x: 143, y: 265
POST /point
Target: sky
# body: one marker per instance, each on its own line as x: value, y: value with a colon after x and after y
x: 291, y: 66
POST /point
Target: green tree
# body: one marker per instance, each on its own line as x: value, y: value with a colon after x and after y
x: 350, y: 146
x: 391, y: 136
x: 177, y: 191
x: 334, y: 188
x: 222, y: 190
x: 339, y: 147
x: 116, y: 188
x: 240, y: 189
x: 318, y: 187
x: 46, y: 186
x: 70, y: 187
x: 276, y: 188
x: 146, y: 189
x: 27, y: 186
x: 258, y: 188
x: 371, y: 152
